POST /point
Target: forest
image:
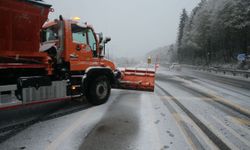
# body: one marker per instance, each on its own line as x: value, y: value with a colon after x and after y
x: 215, y: 32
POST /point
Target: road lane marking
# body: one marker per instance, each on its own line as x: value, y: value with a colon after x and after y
x: 187, y: 98
x: 219, y: 135
x: 212, y: 136
x: 246, y: 142
x: 201, y: 134
x: 232, y: 105
x: 180, y: 124
x: 205, y: 138
x: 214, y: 96
x: 240, y: 121
x: 244, y: 121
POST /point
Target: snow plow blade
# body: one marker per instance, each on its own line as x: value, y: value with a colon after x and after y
x: 137, y: 79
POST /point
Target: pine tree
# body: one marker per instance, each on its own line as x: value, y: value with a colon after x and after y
x: 216, y: 30
x: 183, y: 20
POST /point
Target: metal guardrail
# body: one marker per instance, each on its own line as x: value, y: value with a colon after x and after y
x: 233, y: 72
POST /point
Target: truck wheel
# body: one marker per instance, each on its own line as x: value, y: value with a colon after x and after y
x: 98, y: 90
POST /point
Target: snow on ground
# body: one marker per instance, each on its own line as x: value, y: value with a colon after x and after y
x: 143, y: 120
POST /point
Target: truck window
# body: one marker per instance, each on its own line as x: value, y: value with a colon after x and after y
x: 92, y: 40
x: 79, y: 34
x: 49, y: 34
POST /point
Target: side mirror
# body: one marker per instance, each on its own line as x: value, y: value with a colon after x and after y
x: 101, y: 47
x: 100, y: 37
x: 107, y: 39
x: 101, y: 50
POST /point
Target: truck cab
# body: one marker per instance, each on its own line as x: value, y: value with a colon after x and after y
x: 78, y: 45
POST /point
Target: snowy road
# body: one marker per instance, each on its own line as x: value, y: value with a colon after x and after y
x: 188, y: 110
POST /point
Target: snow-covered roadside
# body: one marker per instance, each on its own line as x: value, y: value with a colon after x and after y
x: 243, y: 75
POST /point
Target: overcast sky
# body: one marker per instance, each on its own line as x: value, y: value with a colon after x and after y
x: 135, y: 26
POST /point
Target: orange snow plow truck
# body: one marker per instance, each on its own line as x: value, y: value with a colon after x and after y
x: 54, y: 61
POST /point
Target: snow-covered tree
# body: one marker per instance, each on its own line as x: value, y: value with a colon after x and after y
x: 216, y: 30
x: 183, y: 20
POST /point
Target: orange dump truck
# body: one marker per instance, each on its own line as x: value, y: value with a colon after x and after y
x: 53, y: 61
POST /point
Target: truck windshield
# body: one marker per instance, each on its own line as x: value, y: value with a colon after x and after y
x: 79, y: 34
x: 49, y: 34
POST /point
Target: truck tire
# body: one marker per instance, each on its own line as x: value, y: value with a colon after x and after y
x: 98, y: 90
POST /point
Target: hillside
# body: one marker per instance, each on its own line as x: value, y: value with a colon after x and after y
x: 165, y: 54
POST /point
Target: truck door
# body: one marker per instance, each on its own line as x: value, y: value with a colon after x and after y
x: 81, y: 51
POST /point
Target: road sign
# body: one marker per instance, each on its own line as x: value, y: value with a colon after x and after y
x: 241, y: 57
x: 149, y: 60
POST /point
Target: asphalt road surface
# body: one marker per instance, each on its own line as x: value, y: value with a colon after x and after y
x: 188, y: 110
